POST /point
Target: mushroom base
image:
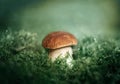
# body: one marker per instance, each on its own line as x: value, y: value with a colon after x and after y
x: 61, y: 53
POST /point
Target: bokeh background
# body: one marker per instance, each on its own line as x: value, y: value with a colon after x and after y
x: 79, y: 17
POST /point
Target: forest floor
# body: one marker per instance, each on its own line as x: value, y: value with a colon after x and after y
x: 24, y: 61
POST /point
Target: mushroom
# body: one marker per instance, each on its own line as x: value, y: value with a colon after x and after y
x: 59, y: 44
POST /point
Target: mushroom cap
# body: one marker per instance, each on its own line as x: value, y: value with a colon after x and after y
x: 58, y: 39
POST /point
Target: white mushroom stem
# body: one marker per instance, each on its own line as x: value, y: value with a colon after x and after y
x: 62, y: 53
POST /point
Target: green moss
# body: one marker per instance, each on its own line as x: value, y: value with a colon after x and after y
x: 24, y: 61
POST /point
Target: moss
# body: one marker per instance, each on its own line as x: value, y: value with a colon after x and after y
x: 24, y: 61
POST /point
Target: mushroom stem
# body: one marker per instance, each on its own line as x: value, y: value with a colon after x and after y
x: 61, y: 53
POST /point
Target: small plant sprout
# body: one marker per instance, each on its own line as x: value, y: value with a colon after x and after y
x: 59, y: 45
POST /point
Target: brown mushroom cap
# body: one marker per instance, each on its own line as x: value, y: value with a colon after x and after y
x: 58, y: 39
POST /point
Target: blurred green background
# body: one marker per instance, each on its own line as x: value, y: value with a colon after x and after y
x: 80, y: 17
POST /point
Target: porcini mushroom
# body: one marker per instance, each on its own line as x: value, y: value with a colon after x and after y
x: 59, y: 44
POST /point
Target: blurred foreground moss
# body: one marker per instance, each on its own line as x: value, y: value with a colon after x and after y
x: 24, y: 61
